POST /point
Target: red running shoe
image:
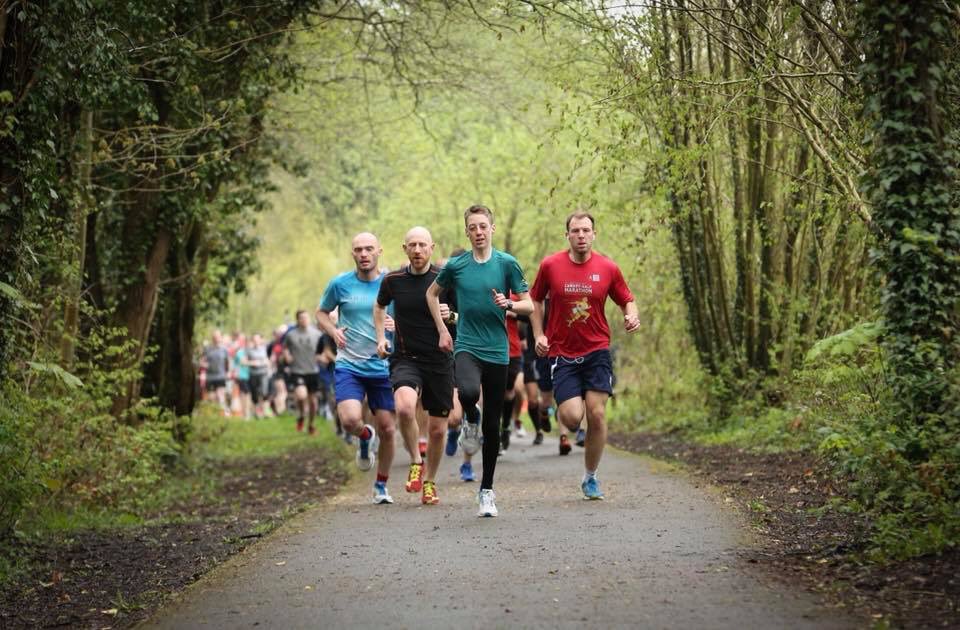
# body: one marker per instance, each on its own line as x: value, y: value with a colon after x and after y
x: 565, y: 446
x: 422, y: 447
x: 415, y: 478
x: 299, y: 425
x: 429, y: 494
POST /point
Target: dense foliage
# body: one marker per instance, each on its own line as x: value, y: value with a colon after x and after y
x: 909, y: 76
x: 914, y: 184
x: 132, y: 157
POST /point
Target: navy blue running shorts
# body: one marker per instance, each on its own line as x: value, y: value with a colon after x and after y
x: 574, y: 376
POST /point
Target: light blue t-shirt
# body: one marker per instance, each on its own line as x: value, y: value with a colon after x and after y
x: 355, y: 299
x: 243, y: 371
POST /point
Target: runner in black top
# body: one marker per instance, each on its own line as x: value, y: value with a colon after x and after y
x: 547, y: 407
x: 326, y: 361
x: 418, y: 367
x: 531, y: 380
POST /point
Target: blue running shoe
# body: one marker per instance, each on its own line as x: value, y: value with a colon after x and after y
x: 452, y: 436
x: 581, y: 437
x: 591, y: 489
x: 466, y: 472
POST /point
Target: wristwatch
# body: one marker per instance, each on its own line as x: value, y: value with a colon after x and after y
x: 509, y: 305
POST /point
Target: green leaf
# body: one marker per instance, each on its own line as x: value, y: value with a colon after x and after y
x: 67, y: 378
x: 847, y: 342
x: 11, y: 293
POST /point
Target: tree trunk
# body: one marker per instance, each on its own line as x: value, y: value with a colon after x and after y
x: 793, y: 218
x: 72, y: 308
x: 765, y: 224
x: 137, y: 305
x: 11, y: 187
x: 176, y: 376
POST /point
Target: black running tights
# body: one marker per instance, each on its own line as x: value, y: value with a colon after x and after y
x: 474, y: 376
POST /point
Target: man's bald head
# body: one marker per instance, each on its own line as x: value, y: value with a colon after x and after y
x: 418, y: 233
x: 418, y: 246
x: 366, y: 252
x: 365, y: 238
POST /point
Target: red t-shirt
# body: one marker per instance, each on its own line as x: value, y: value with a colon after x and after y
x: 576, y: 324
x: 513, y: 333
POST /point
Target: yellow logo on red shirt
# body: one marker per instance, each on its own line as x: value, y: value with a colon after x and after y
x: 580, y: 311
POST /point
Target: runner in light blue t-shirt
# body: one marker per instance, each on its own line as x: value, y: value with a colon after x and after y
x: 353, y: 298
x: 360, y: 373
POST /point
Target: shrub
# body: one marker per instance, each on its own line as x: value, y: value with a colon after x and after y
x: 902, y: 472
x: 60, y: 447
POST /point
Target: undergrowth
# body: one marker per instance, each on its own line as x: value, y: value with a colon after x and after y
x: 900, y: 473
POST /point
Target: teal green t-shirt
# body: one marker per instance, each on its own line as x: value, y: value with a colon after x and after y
x: 480, y: 325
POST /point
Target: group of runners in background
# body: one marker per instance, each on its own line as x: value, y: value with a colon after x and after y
x: 445, y: 353
x: 250, y: 378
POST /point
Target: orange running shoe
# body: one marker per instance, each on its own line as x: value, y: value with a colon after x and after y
x: 415, y: 478
x: 429, y: 494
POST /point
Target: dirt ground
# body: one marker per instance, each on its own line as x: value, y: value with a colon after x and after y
x: 118, y: 578
x: 819, y: 549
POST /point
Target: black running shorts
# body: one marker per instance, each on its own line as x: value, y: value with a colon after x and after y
x: 310, y: 381
x: 433, y: 381
x: 513, y: 369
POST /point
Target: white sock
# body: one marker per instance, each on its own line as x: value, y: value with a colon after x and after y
x: 589, y: 474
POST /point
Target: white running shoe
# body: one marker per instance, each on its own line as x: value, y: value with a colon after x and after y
x: 470, y: 438
x: 367, y: 451
x: 520, y: 431
x: 487, y: 506
x: 380, y: 494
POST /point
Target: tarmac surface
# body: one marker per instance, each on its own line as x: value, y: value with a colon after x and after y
x: 658, y: 552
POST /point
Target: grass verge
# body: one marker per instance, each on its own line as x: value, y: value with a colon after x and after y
x: 90, y: 566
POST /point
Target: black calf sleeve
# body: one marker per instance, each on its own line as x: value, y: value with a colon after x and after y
x: 506, y: 415
x: 533, y: 409
x: 494, y: 381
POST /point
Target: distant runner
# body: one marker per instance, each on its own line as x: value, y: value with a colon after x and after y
x: 300, y: 353
x: 216, y: 361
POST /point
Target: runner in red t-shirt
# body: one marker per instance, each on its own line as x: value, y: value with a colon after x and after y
x: 578, y: 281
x: 515, y: 353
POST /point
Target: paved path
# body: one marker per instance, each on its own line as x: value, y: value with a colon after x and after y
x: 658, y: 553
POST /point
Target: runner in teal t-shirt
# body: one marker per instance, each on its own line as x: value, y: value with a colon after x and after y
x: 481, y: 279
x: 480, y: 326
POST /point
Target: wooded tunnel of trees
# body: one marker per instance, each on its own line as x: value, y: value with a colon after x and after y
x: 778, y: 179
